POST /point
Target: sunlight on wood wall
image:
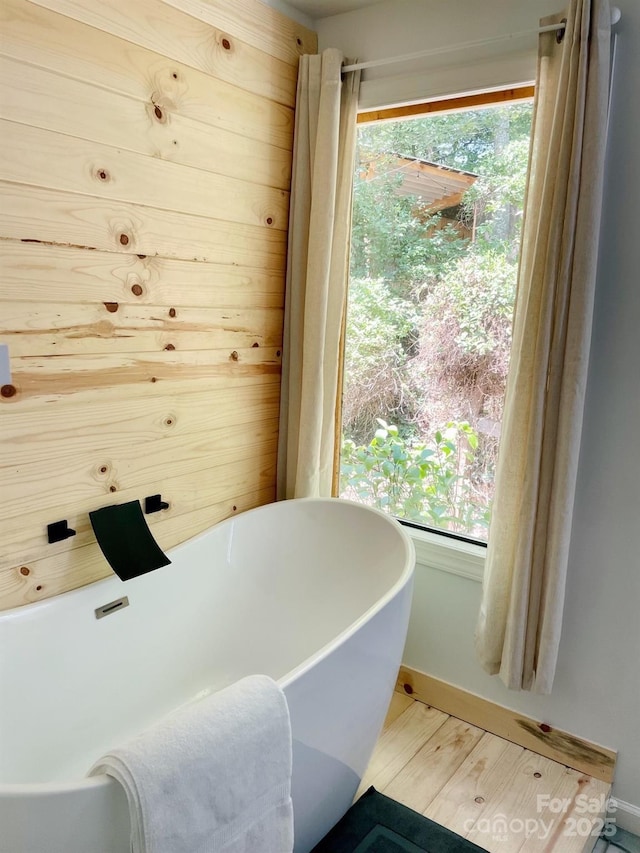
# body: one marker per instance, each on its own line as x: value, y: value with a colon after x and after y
x: 144, y: 178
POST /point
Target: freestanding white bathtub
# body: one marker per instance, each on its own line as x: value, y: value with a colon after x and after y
x: 314, y: 593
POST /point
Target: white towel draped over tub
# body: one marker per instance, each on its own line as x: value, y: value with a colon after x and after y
x: 213, y: 776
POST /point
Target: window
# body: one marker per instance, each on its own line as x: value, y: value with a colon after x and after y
x: 435, y: 239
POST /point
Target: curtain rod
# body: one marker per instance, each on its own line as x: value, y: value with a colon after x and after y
x: 392, y: 60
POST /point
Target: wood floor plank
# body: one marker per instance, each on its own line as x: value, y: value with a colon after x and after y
x: 398, y: 705
x: 460, y: 802
x: 502, y: 825
x: 428, y: 771
x: 400, y: 742
x: 540, y: 737
x: 504, y: 798
x: 578, y: 810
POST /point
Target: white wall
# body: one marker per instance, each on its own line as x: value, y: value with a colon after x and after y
x: 290, y: 12
x: 597, y: 690
x: 400, y: 27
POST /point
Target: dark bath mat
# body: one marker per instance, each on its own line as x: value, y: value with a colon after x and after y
x: 378, y: 824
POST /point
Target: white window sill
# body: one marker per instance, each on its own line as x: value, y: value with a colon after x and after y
x: 448, y: 555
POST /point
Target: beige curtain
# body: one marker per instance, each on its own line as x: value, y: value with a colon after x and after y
x: 521, y: 613
x: 317, y: 273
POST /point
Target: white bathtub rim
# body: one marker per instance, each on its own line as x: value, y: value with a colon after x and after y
x: 343, y: 636
x: 69, y: 595
x: 102, y: 780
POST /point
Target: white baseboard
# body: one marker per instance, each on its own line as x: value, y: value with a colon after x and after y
x: 626, y: 815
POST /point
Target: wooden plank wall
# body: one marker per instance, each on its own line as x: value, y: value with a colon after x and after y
x: 145, y: 172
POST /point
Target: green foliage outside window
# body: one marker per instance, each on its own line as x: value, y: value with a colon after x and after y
x: 429, y: 321
x: 416, y: 480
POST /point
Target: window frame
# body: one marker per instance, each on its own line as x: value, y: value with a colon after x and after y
x: 436, y: 549
x: 447, y: 553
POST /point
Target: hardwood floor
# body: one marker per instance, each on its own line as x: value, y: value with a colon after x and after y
x: 504, y: 798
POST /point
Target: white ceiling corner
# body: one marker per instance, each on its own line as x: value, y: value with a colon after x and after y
x: 324, y: 8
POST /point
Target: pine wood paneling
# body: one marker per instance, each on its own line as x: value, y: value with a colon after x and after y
x: 262, y: 43
x: 232, y: 110
x: 70, y: 219
x: 103, y: 57
x: 41, y: 98
x: 143, y: 229
x: 87, y: 476
x: 67, y: 428
x: 49, y: 378
x: 30, y: 581
x: 36, y: 271
x: 98, y: 170
x: 66, y: 329
x: 87, y: 490
x: 24, y: 537
x: 142, y: 381
x: 256, y: 23
x: 38, y: 35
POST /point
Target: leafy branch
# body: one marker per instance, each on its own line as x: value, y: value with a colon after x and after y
x: 427, y: 482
